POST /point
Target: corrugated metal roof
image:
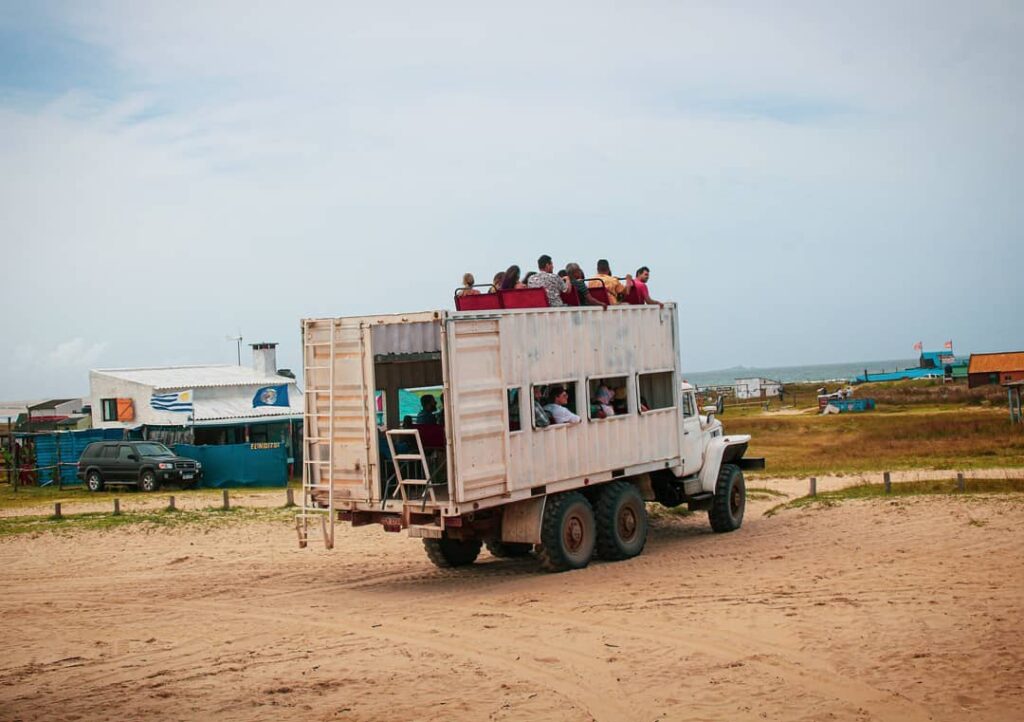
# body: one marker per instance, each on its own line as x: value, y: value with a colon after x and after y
x: 986, y: 363
x: 194, y: 377
x: 238, y: 407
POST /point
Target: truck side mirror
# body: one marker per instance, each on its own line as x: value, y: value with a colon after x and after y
x: 133, y: 457
x: 710, y: 411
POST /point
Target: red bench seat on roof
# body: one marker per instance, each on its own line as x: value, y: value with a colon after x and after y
x: 524, y: 298
x: 478, y: 302
x: 598, y: 293
x: 571, y: 297
x: 633, y: 296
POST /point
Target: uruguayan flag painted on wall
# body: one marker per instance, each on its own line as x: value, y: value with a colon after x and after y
x: 175, y: 401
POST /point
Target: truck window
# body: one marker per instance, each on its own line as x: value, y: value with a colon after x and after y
x: 608, y: 397
x: 656, y: 391
x: 514, y: 403
x: 569, y: 402
x: 689, y: 409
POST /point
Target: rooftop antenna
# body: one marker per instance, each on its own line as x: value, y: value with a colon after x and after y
x: 238, y: 340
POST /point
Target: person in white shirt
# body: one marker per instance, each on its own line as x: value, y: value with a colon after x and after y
x: 558, y: 397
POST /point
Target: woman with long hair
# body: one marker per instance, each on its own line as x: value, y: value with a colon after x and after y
x: 511, y: 279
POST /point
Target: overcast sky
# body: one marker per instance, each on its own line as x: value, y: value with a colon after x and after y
x: 810, y: 184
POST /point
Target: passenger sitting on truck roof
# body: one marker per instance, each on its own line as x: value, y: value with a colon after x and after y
x: 643, y: 274
x: 499, y: 278
x: 558, y: 397
x: 545, y: 278
x: 511, y: 279
x: 428, y: 414
x: 576, y: 279
x: 617, y: 290
x: 541, y: 418
x: 467, y: 286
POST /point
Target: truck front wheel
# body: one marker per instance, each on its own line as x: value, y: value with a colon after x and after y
x: 726, y: 512
x: 446, y: 553
x: 567, y: 532
x: 621, y: 521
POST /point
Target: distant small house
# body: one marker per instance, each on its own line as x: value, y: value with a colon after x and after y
x: 757, y: 388
x: 39, y: 414
x: 995, y: 368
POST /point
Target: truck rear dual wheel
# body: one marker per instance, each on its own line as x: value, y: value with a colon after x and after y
x: 726, y: 512
x: 447, y: 553
x: 568, y: 532
x: 621, y: 521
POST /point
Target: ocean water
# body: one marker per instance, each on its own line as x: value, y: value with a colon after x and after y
x: 793, y: 374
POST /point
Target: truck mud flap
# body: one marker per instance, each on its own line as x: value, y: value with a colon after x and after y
x: 700, y: 502
x: 748, y: 463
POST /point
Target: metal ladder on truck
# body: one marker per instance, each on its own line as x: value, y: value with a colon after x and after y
x: 314, y: 518
x: 420, y: 457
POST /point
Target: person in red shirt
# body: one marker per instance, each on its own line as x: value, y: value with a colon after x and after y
x: 640, y: 283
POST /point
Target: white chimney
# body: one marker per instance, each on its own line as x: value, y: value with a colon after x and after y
x: 264, y: 358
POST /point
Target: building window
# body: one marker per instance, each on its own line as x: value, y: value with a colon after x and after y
x: 109, y: 409
x: 514, y: 404
x: 656, y: 391
x: 608, y: 397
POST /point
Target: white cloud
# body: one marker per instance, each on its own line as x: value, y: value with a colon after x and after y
x: 75, y: 352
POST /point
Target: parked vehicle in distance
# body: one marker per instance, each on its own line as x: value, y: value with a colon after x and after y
x: 145, y: 464
x: 553, y: 428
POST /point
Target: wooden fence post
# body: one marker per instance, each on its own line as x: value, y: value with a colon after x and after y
x: 887, y: 480
x: 56, y: 510
x: 170, y: 506
x: 814, y: 486
x: 60, y: 476
x: 227, y: 502
x: 289, y: 497
x: 117, y: 507
x: 960, y: 481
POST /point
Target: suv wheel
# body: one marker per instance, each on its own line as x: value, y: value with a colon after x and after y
x: 148, y: 482
x: 94, y: 481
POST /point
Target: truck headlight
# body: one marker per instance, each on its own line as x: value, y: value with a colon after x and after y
x: 163, y: 465
x: 198, y: 465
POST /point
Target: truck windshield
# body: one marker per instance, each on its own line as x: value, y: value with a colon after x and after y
x: 153, y: 449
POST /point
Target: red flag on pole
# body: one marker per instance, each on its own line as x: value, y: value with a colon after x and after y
x: 948, y: 345
x: 918, y: 346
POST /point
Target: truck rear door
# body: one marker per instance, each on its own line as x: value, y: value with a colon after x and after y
x: 478, y: 413
x: 340, y: 429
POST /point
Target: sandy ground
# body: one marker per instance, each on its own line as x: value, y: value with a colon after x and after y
x: 904, y: 609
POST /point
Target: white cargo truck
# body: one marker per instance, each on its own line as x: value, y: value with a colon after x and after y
x: 491, y: 466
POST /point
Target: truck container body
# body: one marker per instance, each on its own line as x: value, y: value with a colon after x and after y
x: 484, y: 467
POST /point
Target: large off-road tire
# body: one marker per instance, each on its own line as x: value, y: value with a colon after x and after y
x: 508, y: 550
x: 447, y: 553
x: 726, y: 512
x: 94, y: 481
x: 148, y: 482
x: 621, y: 521
x: 568, y: 532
